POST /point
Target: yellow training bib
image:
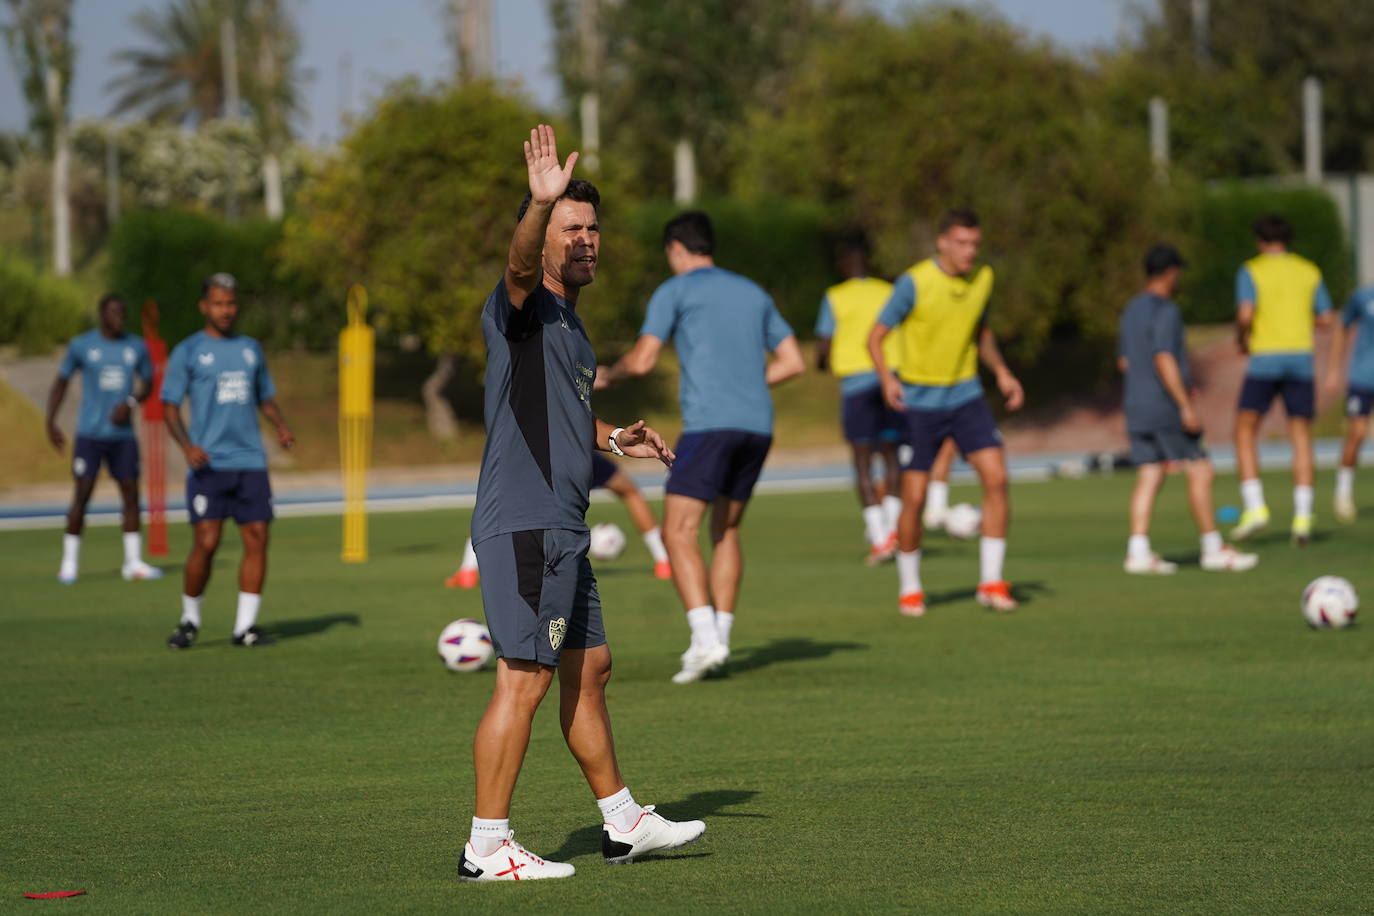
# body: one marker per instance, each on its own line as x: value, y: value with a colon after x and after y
x: 940, y: 336
x: 1285, y: 285
x: 855, y: 305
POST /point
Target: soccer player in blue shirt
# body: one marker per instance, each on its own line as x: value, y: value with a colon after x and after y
x: 1357, y: 321
x: 723, y: 325
x: 116, y: 375
x: 225, y: 376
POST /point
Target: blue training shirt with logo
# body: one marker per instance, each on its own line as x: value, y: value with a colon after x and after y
x: 1359, y: 311
x: 108, y: 366
x: 226, y: 378
x: 722, y: 325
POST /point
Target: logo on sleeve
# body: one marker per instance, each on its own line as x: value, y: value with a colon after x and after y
x: 250, y: 359
x: 129, y: 356
x: 93, y: 354
x: 206, y: 359
x: 557, y: 630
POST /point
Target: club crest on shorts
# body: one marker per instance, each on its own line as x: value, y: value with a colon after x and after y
x: 557, y: 630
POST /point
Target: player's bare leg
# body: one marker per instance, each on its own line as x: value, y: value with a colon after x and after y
x: 1140, y: 559
x: 1300, y: 435
x: 1215, y: 554
x: 76, y: 522
x: 993, y: 589
x: 727, y: 564
x: 911, y: 599
x: 582, y: 678
x: 643, y: 518
x: 1255, y: 513
x: 682, y: 516
x: 205, y: 537
x: 134, y: 567
x: 881, y: 540
x: 1356, y: 429
x: 252, y: 576
x: 498, y: 748
x: 937, y: 491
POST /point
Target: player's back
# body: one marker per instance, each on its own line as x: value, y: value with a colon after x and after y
x: 1284, y: 287
x: 855, y: 305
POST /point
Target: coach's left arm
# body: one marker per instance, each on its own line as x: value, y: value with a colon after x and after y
x: 1007, y: 383
x: 633, y: 441
x: 272, y: 412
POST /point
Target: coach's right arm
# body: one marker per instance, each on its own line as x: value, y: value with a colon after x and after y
x: 524, y: 266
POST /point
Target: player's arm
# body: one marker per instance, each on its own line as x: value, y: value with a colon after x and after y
x: 123, y: 412
x: 1122, y: 364
x: 273, y: 413
x: 892, y: 386
x: 1323, y: 313
x: 1171, y: 377
x: 641, y: 359
x: 196, y: 456
x: 1337, y: 356
x: 547, y: 181
x: 787, y: 361
x: 822, y: 354
x: 56, y: 394
x: 1245, y: 308
x: 825, y: 332
x: 635, y: 441
x: 991, y: 356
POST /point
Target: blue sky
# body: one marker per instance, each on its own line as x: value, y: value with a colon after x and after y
x: 388, y: 39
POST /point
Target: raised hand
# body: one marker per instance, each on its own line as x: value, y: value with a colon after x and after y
x: 639, y: 441
x: 548, y: 180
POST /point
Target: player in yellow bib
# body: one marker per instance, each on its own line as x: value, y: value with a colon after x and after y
x: 939, y: 309
x: 1280, y: 298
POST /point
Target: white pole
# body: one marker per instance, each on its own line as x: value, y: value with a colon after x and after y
x: 1201, y: 29
x: 684, y: 172
x: 589, y: 107
x: 111, y: 175
x: 1312, y: 129
x: 1159, y: 138
x: 228, y: 53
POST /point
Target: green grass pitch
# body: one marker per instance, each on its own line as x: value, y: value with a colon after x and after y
x: 1119, y: 744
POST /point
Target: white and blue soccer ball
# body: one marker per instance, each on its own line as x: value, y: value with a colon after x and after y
x: 1329, y: 603
x: 607, y: 543
x: 963, y: 521
x: 465, y: 645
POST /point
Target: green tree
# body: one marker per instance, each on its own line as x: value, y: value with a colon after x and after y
x: 178, y: 77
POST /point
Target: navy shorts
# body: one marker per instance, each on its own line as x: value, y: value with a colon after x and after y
x: 539, y: 594
x: 1359, y: 401
x: 1173, y: 443
x: 970, y: 425
x: 603, y: 469
x: 718, y: 462
x: 119, y: 455
x: 1299, y: 395
x: 244, y: 496
x: 866, y: 418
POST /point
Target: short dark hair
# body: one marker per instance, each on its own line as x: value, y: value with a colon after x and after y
x: 580, y: 190
x: 106, y: 300
x: 693, y: 229
x: 219, y: 280
x: 1161, y: 258
x: 1272, y: 227
x: 958, y: 216
x: 854, y: 241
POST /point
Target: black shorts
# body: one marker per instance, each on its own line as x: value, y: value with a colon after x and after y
x: 1358, y: 401
x: 1172, y: 443
x: 539, y: 594
x: 867, y: 419
x: 718, y: 462
x: 1299, y: 395
x: 603, y: 469
x: 244, y: 496
x: 119, y: 455
x: 970, y: 425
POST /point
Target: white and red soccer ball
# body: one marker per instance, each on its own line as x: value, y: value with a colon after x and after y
x: 465, y: 645
x: 1330, y: 603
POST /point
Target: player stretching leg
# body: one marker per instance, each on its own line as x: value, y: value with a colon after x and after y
x: 1359, y: 397
x: 1280, y: 297
x: 939, y: 307
x: 225, y: 376
x: 872, y: 428
x: 530, y: 530
x: 606, y: 474
x: 116, y: 376
x: 1162, y: 421
x: 723, y: 326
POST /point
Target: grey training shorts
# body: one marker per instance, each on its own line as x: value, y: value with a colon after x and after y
x: 1168, y: 444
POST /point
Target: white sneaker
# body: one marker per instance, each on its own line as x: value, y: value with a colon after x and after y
x: 1229, y: 559
x: 131, y: 571
x: 1345, y: 509
x: 1152, y: 565
x: 696, y: 662
x: 510, y: 862
x: 651, y: 833
x: 66, y: 575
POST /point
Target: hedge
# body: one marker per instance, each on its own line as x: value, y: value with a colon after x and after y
x: 38, y: 312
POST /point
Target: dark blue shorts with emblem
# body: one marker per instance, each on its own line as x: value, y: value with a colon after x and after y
x: 1299, y: 395
x: 603, y: 469
x: 1359, y: 401
x: 244, y: 496
x: 539, y: 594
x: 970, y: 425
x: 718, y: 462
x: 866, y: 418
x: 119, y: 455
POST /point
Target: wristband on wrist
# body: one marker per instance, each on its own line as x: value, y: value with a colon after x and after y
x: 615, y: 446
x: 132, y: 402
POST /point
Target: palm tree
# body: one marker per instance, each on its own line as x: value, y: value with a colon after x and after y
x: 178, y: 77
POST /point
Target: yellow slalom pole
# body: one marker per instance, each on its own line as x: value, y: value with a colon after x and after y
x: 357, y: 345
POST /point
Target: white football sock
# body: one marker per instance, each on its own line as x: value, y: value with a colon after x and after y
x: 620, y: 810
x: 875, y: 525
x: 653, y: 539
x: 892, y: 509
x: 1252, y: 494
x: 702, y: 620
x: 469, y: 556
x: 190, y: 610
x: 71, y: 551
x: 487, y: 834
x: 1345, y: 482
x: 991, y: 553
x: 1211, y: 542
x: 1137, y: 547
x: 1302, y: 500
x: 247, y: 613
x: 133, y: 548
x: 937, y: 496
x: 725, y: 622
x: 908, y: 572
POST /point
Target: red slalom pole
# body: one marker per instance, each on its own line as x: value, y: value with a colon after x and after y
x: 154, y: 442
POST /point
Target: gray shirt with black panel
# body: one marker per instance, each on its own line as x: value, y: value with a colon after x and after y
x: 1151, y: 324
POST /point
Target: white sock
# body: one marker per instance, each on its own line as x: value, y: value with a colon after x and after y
x: 908, y: 572
x: 248, y: 612
x: 725, y: 622
x: 1211, y: 542
x: 620, y: 810
x: 1137, y: 547
x: 1252, y: 494
x: 190, y: 610
x: 653, y: 539
x: 487, y: 834
x: 702, y: 620
x: 892, y: 509
x: 875, y: 525
x: 937, y: 496
x: 71, y: 551
x: 469, y: 556
x: 1345, y: 482
x: 133, y: 548
x: 991, y: 553
x: 1302, y: 500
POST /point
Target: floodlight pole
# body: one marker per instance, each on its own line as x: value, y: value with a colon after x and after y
x: 111, y: 175
x: 230, y: 68
x: 1159, y: 138
x: 1312, y: 129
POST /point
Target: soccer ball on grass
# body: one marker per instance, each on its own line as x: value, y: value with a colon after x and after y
x: 607, y: 543
x: 963, y: 521
x: 1330, y: 602
x: 465, y: 645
